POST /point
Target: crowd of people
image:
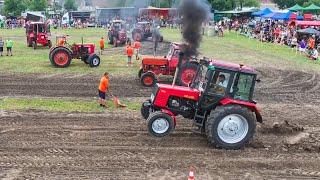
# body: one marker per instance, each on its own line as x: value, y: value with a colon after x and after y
x: 280, y: 33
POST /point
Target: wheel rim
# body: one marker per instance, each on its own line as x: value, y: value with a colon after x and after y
x: 233, y: 128
x: 187, y: 76
x: 160, y: 125
x: 148, y: 80
x: 61, y: 58
x: 95, y: 61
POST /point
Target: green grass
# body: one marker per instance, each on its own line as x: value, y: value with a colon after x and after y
x: 27, y: 60
x: 58, y: 105
x: 240, y: 49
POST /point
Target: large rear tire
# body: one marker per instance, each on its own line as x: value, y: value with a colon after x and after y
x: 230, y: 127
x: 115, y: 42
x: 34, y: 45
x: 49, y: 44
x: 148, y: 79
x: 137, y: 37
x: 187, y: 73
x: 94, y: 60
x: 60, y: 57
x: 160, y: 124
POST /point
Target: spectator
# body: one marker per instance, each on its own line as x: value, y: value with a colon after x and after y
x: 137, y: 46
x: 302, y: 46
x: 9, y: 44
x: 1, y: 46
x: 101, y: 43
x: 103, y: 89
x: 129, y: 52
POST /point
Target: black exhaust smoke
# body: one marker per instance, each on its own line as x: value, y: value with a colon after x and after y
x: 194, y: 13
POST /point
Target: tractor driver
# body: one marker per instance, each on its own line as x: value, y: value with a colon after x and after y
x: 222, y: 81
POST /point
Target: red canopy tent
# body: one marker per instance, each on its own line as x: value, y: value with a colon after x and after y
x: 158, y: 12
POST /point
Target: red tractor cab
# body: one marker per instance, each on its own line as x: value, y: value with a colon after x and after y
x: 62, y: 54
x: 38, y: 33
x: 117, y: 33
x: 219, y: 101
x: 152, y: 67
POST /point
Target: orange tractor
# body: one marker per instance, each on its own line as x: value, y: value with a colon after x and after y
x: 154, y: 66
x: 62, y: 54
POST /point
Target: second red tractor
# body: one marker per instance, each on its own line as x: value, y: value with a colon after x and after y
x: 38, y: 33
x: 152, y: 67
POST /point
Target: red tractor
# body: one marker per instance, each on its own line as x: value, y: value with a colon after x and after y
x: 117, y: 33
x: 219, y: 101
x: 38, y: 33
x: 152, y: 67
x: 143, y: 31
x: 62, y: 54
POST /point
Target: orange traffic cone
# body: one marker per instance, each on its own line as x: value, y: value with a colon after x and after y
x: 191, y: 173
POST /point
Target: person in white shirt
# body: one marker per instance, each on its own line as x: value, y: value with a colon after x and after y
x: 315, y: 54
x: 222, y: 81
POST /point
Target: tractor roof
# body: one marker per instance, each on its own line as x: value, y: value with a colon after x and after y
x: 118, y: 21
x: 232, y: 66
x: 176, y: 45
x: 144, y: 22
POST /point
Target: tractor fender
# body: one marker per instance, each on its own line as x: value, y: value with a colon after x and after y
x: 53, y: 48
x: 249, y: 105
x: 170, y: 114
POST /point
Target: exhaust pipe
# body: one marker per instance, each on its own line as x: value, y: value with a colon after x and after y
x: 181, y: 54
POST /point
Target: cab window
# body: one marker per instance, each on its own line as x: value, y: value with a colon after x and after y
x: 243, y: 87
x: 219, y: 83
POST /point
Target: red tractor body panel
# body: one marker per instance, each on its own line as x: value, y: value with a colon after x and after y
x: 233, y: 66
x: 165, y: 91
x: 89, y: 46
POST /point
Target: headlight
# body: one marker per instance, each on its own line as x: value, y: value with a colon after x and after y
x: 152, y: 98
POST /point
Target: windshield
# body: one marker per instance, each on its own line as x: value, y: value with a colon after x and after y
x: 200, y: 80
x: 243, y: 88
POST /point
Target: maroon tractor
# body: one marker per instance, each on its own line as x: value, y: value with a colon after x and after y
x: 143, y: 31
x: 152, y: 67
x: 219, y: 102
x: 61, y: 55
x: 117, y: 33
x: 38, y: 33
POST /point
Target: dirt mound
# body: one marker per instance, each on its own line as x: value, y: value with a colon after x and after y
x: 282, y: 128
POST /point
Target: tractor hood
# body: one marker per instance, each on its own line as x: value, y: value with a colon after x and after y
x: 165, y: 91
x: 152, y: 60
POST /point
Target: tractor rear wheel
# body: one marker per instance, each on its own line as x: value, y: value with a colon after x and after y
x: 230, y: 127
x: 187, y: 73
x: 148, y: 79
x: 137, y: 37
x: 94, y: 60
x: 160, y: 124
x: 140, y: 73
x: 60, y: 57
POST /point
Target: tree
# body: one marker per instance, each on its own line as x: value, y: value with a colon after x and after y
x: 283, y: 4
x: 37, y: 5
x: 70, y: 5
x: 14, y: 7
x: 223, y: 5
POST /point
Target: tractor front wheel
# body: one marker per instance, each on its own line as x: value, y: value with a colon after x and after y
x: 34, y: 45
x: 146, y: 109
x: 160, y: 124
x: 94, y: 60
x: 140, y: 73
x: 230, y: 127
x: 148, y: 79
x: 60, y: 57
x: 49, y: 44
x: 115, y: 42
x: 187, y: 73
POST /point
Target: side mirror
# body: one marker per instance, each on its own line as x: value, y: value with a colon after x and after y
x: 165, y: 56
x: 258, y: 80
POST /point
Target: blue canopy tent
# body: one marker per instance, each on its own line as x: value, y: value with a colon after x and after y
x: 262, y: 12
x: 280, y: 16
x: 270, y: 15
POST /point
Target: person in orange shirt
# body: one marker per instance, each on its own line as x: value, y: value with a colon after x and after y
x: 103, y: 89
x: 101, y: 43
x: 311, y: 42
x: 137, y: 46
x: 62, y: 41
x: 129, y: 52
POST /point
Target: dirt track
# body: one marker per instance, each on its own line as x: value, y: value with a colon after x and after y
x: 116, y: 145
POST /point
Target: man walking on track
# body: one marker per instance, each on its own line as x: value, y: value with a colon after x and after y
x: 137, y: 46
x: 103, y: 89
x: 101, y: 43
x: 129, y: 52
